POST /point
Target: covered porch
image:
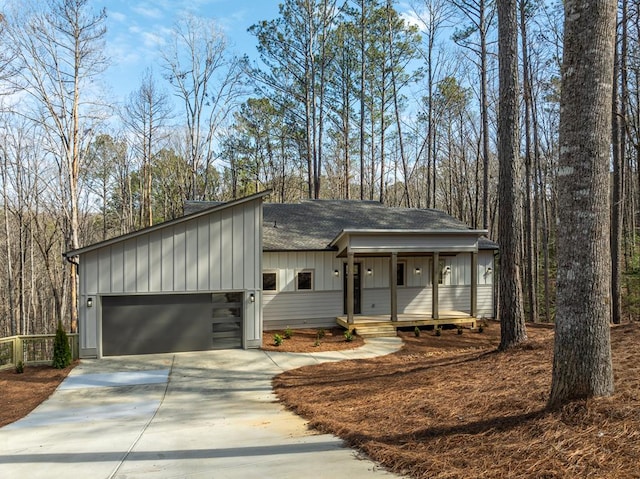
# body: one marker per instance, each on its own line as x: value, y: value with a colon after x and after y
x: 354, y: 245
x: 382, y: 325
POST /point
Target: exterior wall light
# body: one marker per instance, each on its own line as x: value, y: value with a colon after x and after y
x: 489, y: 270
x: 369, y: 272
x: 89, y: 302
x: 336, y: 273
x: 252, y: 298
x: 447, y: 269
x: 418, y: 270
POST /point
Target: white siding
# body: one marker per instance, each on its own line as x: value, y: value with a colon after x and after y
x: 485, y: 302
x: 414, y: 298
x: 323, y: 264
x: 300, y: 309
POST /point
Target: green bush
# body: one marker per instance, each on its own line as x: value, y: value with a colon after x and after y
x: 438, y: 331
x: 348, y: 336
x: 288, y: 333
x: 277, y: 339
x: 459, y: 329
x: 416, y: 331
x: 61, y: 349
x: 20, y: 367
x: 320, y: 334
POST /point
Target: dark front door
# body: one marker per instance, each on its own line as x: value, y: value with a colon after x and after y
x: 357, y: 290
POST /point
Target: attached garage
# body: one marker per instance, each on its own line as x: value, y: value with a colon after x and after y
x: 171, y: 323
x: 189, y: 284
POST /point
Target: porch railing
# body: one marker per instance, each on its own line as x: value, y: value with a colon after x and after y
x: 32, y: 349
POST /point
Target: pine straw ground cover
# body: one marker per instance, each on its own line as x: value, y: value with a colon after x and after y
x: 21, y: 393
x: 304, y: 341
x: 452, y: 407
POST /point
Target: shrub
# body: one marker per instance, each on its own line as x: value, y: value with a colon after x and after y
x: 288, y: 333
x: 480, y: 329
x: 20, y: 367
x: 320, y: 334
x: 348, y: 336
x: 459, y: 329
x: 317, y: 343
x: 277, y: 339
x: 438, y: 331
x: 416, y: 331
x: 61, y: 349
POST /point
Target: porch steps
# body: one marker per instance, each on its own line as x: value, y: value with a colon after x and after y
x: 376, y: 330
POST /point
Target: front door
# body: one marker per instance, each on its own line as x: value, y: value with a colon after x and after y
x: 357, y: 290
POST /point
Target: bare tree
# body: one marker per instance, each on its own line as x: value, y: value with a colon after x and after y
x: 146, y: 114
x: 582, y: 365
x: 480, y: 14
x: 58, y: 50
x: 208, y: 82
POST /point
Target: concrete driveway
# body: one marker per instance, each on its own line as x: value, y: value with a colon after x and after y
x: 198, y: 415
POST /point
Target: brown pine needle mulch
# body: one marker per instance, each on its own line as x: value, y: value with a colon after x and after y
x: 21, y: 393
x: 451, y: 407
x: 304, y: 341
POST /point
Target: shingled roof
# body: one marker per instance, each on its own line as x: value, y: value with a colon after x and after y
x: 312, y: 225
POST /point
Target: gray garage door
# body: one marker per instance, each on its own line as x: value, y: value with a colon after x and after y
x: 171, y: 323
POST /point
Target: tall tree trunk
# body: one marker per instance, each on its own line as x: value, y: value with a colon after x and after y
x: 512, y: 325
x: 529, y: 231
x: 582, y: 364
x: 363, y: 6
x: 616, y: 198
x: 484, y: 112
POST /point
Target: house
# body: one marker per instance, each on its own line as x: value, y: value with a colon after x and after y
x: 224, y: 272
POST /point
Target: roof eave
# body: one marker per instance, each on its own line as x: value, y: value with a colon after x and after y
x: 165, y: 224
x: 352, y: 231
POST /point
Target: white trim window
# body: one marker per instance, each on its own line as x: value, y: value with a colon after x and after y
x: 270, y: 280
x: 304, y: 280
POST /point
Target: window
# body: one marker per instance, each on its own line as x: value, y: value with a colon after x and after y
x: 400, y: 273
x: 270, y: 281
x: 304, y: 280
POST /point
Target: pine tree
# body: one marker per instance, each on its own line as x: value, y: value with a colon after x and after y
x: 61, y: 349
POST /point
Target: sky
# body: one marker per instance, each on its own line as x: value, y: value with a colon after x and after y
x: 137, y: 31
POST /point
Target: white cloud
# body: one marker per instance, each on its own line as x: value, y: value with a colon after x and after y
x: 152, y: 39
x: 117, y: 16
x: 149, y: 12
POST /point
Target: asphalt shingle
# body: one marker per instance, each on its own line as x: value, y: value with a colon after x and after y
x: 313, y: 224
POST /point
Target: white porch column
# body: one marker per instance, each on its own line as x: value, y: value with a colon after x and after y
x: 474, y: 284
x: 435, y: 274
x: 350, y: 286
x: 393, y: 283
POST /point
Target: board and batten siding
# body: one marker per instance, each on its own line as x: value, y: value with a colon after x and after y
x: 220, y: 251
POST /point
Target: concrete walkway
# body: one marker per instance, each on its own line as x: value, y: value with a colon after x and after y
x: 198, y: 415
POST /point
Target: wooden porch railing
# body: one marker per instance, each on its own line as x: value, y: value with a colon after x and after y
x: 32, y: 349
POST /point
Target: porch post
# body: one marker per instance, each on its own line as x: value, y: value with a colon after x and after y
x: 474, y: 284
x: 393, y: 282
x: 350, y: 286
x: 434, y: 285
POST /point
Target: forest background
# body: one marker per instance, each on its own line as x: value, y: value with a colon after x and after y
x: 370, y: 100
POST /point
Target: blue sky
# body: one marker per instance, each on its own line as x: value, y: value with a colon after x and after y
x: 137, y: 30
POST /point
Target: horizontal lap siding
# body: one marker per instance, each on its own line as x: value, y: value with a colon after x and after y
x: 301, y: 308
x: 485, y: 302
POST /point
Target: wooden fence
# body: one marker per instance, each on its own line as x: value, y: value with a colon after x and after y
x: 33, y: 349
